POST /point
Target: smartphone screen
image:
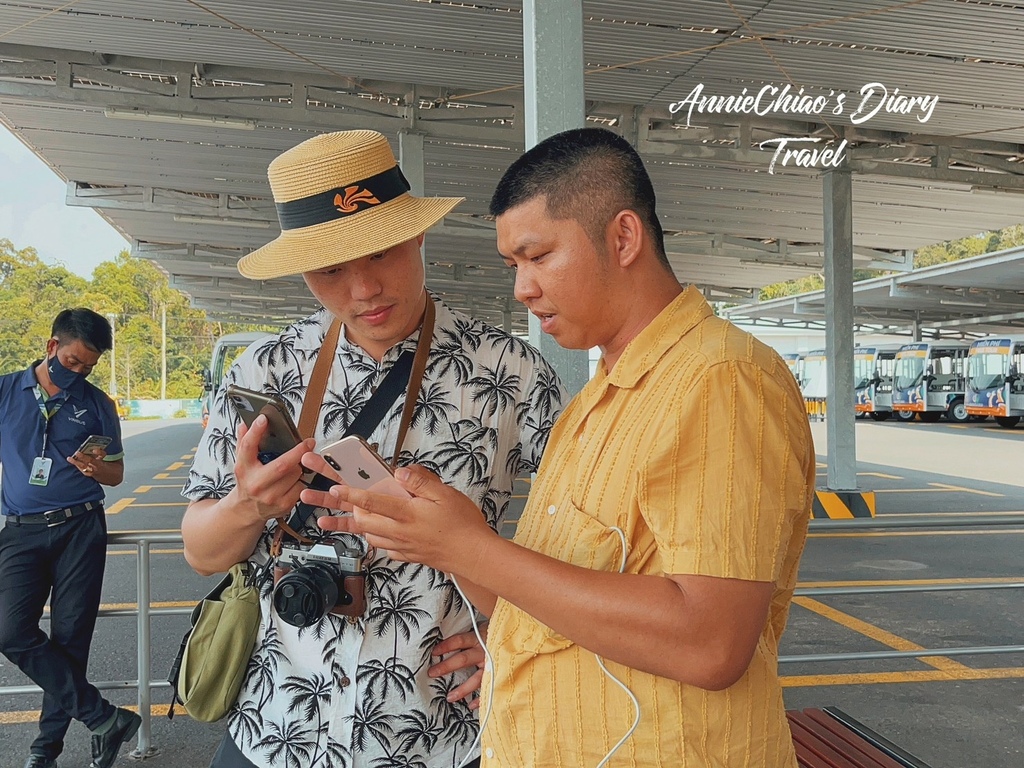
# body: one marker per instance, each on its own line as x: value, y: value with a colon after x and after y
x: 361, y: 467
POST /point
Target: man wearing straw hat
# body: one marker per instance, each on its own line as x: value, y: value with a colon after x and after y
x: 362, y: 691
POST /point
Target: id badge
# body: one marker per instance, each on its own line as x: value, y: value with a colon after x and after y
x: 40, y: 474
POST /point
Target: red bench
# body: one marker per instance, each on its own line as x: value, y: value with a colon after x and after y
x: 830, y: 738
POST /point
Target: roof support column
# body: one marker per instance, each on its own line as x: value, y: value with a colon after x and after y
x: 840, y: 421
x: 410, y: 160
x: 553, y: 76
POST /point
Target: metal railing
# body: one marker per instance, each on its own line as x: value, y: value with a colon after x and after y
x: 911, y: 522
x: 144, y: 685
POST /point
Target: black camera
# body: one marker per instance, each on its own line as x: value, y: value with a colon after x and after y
x: 310, y: 582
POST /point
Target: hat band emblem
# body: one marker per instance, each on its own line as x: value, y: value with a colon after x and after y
x: 344, y: 201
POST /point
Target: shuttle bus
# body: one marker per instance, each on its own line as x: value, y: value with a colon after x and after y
x: 872, y: 382
x: 225, y: 350
x: 994, y: 384
x: 795, y: 361
x: 929, y: 380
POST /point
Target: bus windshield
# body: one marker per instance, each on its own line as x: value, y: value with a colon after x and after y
x: 909, y: 371
x: 987, y: 371
x: 863, y: 371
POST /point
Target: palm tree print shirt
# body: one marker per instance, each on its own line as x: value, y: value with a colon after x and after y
x: 355, y: 693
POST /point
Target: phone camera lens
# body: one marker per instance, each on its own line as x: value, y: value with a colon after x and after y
x: 330, y: 460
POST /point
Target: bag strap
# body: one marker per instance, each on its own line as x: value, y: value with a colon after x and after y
x: 318, y: 381
x: 406, y: 373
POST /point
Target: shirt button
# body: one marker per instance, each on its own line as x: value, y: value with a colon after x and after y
x: 345, y: 682
x: 489, y: 753
x: 552, y: 509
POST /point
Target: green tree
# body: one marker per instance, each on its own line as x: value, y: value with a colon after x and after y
x: 135, y: 294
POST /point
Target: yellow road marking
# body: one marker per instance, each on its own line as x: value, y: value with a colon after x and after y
x: 162, y: 504
x: 165, y: 476
x: 916, y: 676
x: 876, y: 633
x: 187, y: 456
x: 957, y: 426
x: 119, y: 505
x: 967, y: 490
x: 875, y: 535
x: 143, y: 489
x: 28, y: 716
x: 175, y: 465
x: 879, y: 474
x: 908, y: 582
x: 939, y: 488
x: 111, y: 553
x: 148, y: 530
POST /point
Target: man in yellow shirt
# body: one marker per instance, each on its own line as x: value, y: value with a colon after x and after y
x: 665, y: 528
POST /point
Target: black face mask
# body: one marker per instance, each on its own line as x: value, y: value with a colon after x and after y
x: 62, y: 378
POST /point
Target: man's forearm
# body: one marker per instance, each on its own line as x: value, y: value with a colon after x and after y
x: 219, y: 533
x: 109, y: 473
x: 645, y: 622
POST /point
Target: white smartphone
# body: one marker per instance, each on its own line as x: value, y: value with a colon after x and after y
x: 361, y: 467
x: 92, y: 442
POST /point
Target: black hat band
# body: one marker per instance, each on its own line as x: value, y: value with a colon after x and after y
x: 344, y: 201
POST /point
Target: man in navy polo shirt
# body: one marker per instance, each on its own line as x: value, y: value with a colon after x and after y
x: 55, y: 534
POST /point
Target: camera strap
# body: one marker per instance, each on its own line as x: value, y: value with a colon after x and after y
x: 406, y: 374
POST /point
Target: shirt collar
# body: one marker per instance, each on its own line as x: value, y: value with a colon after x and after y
x: 680, y: 317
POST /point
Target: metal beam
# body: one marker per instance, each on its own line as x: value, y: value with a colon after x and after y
x: 840, y: 424
x: 553, y: 74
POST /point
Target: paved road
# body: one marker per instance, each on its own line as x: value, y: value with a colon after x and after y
x: 954, y: 713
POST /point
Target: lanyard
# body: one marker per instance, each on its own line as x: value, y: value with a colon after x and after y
x: 41, y: 401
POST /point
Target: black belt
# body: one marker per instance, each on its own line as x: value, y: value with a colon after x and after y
x: 54, y: 516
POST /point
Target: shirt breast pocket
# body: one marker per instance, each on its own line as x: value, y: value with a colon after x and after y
x: 574, y: 537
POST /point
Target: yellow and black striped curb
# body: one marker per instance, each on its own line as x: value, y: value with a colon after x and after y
x: 839, y: 505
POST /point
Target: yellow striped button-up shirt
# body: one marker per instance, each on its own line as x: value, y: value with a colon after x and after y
x: 696, y: 445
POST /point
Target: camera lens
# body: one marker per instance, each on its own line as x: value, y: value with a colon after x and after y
x: 305, y: 595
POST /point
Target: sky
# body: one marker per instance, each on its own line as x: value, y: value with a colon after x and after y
x: 33, y: 213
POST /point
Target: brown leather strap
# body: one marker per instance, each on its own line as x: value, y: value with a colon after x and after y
x: 419, y: 365
x: 318, y: 381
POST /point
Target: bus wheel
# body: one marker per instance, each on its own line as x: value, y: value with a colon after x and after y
x: 957, y: 412
x: 905, y: 415
x: 881, y: 415
x: 1008, y: 422
x: 930, y: 417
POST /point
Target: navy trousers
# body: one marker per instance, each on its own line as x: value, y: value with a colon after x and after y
x: 64, y: 563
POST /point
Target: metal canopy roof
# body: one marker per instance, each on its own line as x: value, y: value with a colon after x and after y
x: 235, y: 82
x: 983, y: 294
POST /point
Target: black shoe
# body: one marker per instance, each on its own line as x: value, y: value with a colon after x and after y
x: 106, y: 746
x: 40, y: 761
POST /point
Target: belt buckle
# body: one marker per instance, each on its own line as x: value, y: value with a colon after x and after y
x: 49, y: 517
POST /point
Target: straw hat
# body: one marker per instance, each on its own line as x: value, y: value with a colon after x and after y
x: 340, y: 196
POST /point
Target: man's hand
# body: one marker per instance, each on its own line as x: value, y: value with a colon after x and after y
x: 466, y: 653
x: 440, y: 526
x: 269, y: 490
x: 314, y: 498
x: 87, y: 463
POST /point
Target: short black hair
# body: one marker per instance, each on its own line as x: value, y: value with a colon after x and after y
x: 587, y: 174
x: 84, y: 325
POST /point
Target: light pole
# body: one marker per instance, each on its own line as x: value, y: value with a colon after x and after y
x: 113, y: 352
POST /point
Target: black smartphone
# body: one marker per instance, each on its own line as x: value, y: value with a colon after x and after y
x: 92, y: 442
x: 281, y: 436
